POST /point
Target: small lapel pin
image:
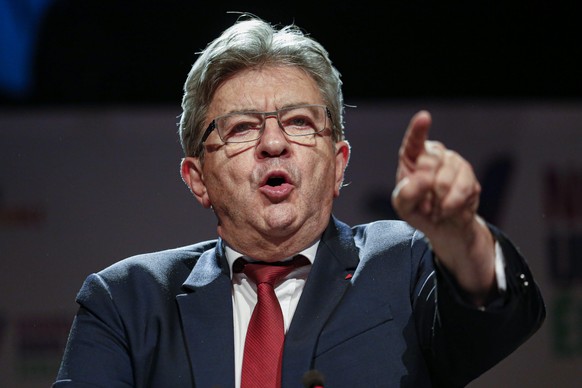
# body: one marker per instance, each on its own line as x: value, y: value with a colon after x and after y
x: 348, y: 276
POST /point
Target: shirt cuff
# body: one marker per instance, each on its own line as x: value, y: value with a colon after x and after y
x: 500, y: 268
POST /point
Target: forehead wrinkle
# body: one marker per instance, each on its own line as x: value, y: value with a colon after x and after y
x: 259, y: 90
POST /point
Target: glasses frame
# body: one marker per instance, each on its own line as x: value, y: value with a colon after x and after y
x: 265, y: 115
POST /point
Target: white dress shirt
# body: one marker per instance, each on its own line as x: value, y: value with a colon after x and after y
x: 244, y: 299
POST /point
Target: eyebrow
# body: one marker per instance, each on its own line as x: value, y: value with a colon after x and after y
x: 289, y: 105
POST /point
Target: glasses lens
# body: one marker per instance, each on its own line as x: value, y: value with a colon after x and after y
x: 239, y: 127
x: 248, y: 126
x: 303, y: 120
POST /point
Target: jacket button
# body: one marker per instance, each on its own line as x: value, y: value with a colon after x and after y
x: 523, y: 279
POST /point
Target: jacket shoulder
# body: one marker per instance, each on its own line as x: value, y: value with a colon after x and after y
x: 385, y: 233
x: 161, y: 264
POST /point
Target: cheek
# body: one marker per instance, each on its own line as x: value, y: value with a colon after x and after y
x: 227, y: 181
x: 322, y: 178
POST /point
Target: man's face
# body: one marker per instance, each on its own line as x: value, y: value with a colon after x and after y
x: 273, y: 197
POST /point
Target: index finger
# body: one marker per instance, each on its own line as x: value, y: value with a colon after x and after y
x: 415, y: 136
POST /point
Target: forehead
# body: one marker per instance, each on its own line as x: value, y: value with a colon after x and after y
x: 265, y: 89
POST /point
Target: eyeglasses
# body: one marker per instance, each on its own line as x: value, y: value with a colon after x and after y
x: 242, y: 127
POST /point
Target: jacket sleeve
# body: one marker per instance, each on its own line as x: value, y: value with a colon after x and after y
x: 96, y: 354
x: 464, y: 341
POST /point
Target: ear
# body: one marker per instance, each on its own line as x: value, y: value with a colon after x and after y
x: 191, y: 171
x: 342, y: 157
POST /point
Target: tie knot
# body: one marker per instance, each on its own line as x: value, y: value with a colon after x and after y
x: 262, y: 272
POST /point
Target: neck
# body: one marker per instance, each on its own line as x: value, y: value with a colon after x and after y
x: 270, y: 248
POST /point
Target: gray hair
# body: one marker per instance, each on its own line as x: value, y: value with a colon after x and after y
x: 251, y: 43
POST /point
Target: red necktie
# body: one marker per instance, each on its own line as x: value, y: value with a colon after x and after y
x: 263, y: 351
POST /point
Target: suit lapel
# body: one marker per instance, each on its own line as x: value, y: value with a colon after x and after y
x: 207, y: 321
x: 328, y: 280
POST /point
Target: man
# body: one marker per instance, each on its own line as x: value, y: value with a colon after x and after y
x: 435, y: 301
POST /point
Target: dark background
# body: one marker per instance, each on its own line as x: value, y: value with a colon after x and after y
x: 139, y: 52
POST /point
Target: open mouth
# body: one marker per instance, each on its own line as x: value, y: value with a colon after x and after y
x: 276, y: 181
x: 277, y: 186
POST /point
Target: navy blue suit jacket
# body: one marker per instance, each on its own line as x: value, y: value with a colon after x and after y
x: 375, y: 312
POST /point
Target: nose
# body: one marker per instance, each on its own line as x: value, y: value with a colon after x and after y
x: 273, y: 142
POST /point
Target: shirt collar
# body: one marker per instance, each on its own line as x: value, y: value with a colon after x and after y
x: 232, y: 255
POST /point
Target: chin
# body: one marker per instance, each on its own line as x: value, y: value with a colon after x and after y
x: 281, y: 218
